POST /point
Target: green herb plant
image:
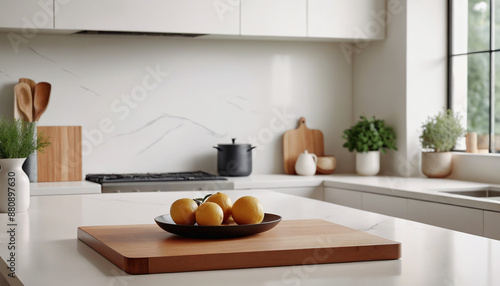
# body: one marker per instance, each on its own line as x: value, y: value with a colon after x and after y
x: 442, y: 131
x: 17, y: 139
x: 369, y: 134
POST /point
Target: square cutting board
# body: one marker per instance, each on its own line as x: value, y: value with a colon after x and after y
x: 61, y: 161
x: 142, y: 249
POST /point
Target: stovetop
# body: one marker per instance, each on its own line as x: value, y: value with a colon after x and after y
x: 152, y: 177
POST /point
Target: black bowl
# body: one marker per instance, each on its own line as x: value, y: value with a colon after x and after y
x: 219, y: 231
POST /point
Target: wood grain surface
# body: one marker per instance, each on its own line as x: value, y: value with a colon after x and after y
x: 141, y: 249
x: 298, y: 140
x: 62, y: 160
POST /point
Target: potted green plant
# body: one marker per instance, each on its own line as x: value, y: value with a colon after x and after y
x: 17, y: 142
x: 440, y: 134
x: 368, y: 137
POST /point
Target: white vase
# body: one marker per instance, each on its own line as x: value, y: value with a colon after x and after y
x: 436, y: 164
x: 368, y: 163
x: 14, y: 186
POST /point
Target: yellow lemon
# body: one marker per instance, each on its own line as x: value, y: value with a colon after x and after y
x: 224, y: 202
x: 209, y: 214
x: 183, y: 211
x: 247, y: 210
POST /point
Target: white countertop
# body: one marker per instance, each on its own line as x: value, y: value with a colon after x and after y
x: 414, y: 188
x: 425, y: 189
x: 64, y: 188
x: 48, y: 252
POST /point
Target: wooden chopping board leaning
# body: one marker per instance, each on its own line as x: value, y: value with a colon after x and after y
x: 298, y: 140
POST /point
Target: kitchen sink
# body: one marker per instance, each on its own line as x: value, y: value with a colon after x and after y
x: 476, y: 193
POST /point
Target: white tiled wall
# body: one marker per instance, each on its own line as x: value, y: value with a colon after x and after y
x: 152, y: 104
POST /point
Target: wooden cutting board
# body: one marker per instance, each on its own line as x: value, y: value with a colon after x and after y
x: 298, y: 140
x: 62, y: 160
x: 143, y: 249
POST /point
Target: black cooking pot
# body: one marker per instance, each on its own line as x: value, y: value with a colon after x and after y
x: 234, y: 160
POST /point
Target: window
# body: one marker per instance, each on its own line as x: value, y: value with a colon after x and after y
x: 474, y: 69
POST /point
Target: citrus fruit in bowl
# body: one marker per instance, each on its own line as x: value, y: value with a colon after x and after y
x: 224, y: 202
x: 183, y: 211
x: 247, y: 210
x: 209, y: 213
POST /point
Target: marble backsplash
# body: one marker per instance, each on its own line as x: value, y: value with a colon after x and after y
x: 156, y: 104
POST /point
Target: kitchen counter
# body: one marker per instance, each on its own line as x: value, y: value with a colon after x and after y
x: 48, y: 252
x: 64, y: 188
x: 425, y: 189
x: 413, y: 188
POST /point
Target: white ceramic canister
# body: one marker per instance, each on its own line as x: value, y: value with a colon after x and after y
x: 306, y: 164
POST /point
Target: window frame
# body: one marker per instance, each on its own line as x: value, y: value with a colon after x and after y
x: 491, y: 81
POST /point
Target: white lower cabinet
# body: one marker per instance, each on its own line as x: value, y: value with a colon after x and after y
x: 342, y: 197
x: 381, y: 204
x: 492, y: 224
x: 452, y: 217
x: 458, y: 218
x: 387, y: 205
x: 306, y: 192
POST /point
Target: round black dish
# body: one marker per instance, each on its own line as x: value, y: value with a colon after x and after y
x: 222, y: 231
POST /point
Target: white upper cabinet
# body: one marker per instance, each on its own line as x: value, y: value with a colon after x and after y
x: 346, y: 19
x: 167, y: 16
x: 26, y: 14
x: 274, y: 18
x: 328, y: 19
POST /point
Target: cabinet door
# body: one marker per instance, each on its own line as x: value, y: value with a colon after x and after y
x: 492, y: 224
x: 346, y: 198
x: 447, y: 216
x: 169, y: 16
x: 306, y: 192
x: 393, y: 206
x: 349, y: 19
x: 32, y: 14
x: 274, y: 18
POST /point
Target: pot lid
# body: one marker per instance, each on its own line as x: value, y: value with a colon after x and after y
x: 234, y: 143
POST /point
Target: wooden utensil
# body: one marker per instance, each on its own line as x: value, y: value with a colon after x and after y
x: 40, y: 99
x: 17, y: 112
x: 24, y: 100
x: 29, y: 82
x: 298, y: 140
x: 141, y: 249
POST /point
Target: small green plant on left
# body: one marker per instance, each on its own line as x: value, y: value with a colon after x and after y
x: 17, y: 139
x: 369, y: 134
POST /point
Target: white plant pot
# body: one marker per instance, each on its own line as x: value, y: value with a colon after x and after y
x: 436, y: 164
x: 368, y: 163
x: 14, y: 186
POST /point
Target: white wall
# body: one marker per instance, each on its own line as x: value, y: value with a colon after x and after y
x: 379, y: 82
x: 153, y: 104
x: 426, y: 73
x: 403, y: 79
